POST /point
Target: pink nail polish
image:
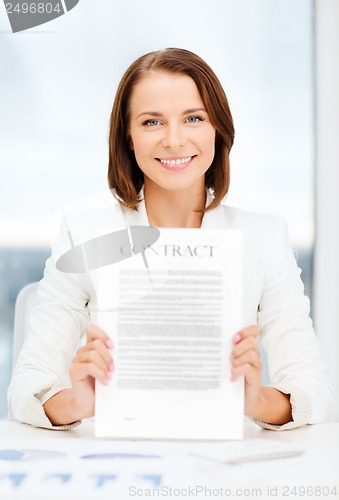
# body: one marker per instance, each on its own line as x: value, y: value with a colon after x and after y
x: 111, y: 367
x: 236, y: 339
x: 109, y: 344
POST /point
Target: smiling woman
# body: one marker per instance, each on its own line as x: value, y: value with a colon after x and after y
x: 170, y: 138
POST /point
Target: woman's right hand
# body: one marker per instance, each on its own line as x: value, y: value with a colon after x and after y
x: 92, y: 361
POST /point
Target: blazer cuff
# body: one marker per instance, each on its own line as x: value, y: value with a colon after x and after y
x: 33, y: 413
x: 301, y: 408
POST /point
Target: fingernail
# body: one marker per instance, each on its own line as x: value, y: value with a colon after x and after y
x: 108, y: 376
x: 106, y: 381
x: 232, y: 379
x: 109, y: 344
x: 111, y: 367
x: 236, y: 338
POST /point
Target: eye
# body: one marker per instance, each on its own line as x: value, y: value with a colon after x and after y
x: 195, y: 119
x: 151, y: 123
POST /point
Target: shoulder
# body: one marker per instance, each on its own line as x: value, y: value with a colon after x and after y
x: 101, y: 200
x: 246, y: 219
x: 257, y: 228
x: 91, y: 216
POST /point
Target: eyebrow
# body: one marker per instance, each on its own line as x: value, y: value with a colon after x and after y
x: 156, y: 114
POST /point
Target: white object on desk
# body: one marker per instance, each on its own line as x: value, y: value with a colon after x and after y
x: 251, y: 450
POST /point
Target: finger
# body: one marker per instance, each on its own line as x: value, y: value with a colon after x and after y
x: 249, y: 331
x: 79, y: 371
x: 251, y: 373
x: 94, y: 332
x: 99, y: 347
x: 251, y: 356
x: 93, y: 357
x: 247, y: 344
x: 97, y: 353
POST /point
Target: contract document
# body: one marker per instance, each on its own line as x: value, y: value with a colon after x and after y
x: 171, y: 311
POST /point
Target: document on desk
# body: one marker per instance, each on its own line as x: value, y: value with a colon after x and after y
x: 171, y: 311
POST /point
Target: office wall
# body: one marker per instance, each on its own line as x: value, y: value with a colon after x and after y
x: 326, y: 271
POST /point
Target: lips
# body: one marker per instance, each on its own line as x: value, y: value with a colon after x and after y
x: 176, y: 163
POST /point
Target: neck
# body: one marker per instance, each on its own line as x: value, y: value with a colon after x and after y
x: 167, y: 208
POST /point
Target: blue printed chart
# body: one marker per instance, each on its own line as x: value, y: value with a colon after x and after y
x: 85, y: 469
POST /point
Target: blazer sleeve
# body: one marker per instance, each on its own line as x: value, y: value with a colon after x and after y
x: 288, y: 338
x: 56, y: 325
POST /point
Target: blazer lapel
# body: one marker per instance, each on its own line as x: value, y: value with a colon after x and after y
x: 138, y: 218
x: 214, y: 219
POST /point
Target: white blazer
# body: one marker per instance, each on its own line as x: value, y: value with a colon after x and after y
x: 274, y: 300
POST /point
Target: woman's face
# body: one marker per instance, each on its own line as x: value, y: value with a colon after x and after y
x: 170, y: 131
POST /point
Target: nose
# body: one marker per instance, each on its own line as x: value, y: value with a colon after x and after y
x: 174, y: 137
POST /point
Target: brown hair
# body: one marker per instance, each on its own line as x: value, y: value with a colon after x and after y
x: 124, y: 174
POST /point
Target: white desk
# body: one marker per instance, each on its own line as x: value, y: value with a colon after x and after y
x: 313, y: 475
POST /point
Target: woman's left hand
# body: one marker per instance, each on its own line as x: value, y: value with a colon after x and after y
x: 246, y: 361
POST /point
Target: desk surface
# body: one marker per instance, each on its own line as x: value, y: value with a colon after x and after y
x: 312, y: 437
x: 314, y: 474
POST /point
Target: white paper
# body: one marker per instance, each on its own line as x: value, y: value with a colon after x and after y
x: 171, y: 313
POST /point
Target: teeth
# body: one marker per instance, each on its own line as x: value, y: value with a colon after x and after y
x: 176, y: 162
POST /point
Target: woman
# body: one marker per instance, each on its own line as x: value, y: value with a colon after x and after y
x: 170, y: 137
